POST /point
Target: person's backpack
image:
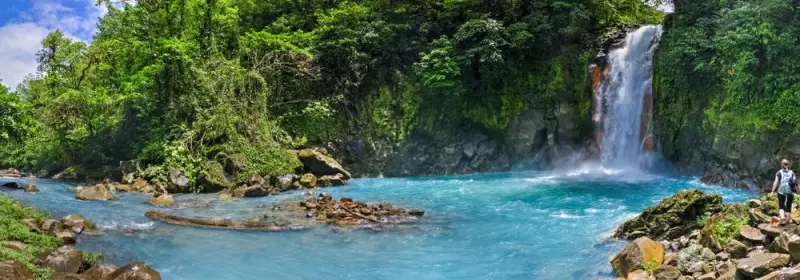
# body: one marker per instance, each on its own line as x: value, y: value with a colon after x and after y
x: 793, y: 183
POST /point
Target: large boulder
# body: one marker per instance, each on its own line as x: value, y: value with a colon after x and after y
x: 11, y: 185
x: 640, y: 253
x: 135, y: 271
x: 761, y: 264
x: 14, y: 270
x: 332, y: 180
x: 67, y: 259
x: 212, y: 178
x: 672, y: 217
x: 52, y: 227
x: 787, y: 243
x: 97, y: 192
x: 284, y: 182
x: 320, y: 164
x: 692, y: 259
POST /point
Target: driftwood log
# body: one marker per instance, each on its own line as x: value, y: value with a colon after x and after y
x: 220, y: 223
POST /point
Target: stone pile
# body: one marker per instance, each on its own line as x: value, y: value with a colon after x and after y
x: 347, y: 212
x: 759, y: 248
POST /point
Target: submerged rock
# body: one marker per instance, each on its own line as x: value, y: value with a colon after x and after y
x: 220, y: 223
x: 163, y: 200
x: 77, y: 223
x: 672, y: 217
x: 640, y: 253
x: 320, y: 164
x: 31, y: 188
x: 10, y: 185
x: 14, y: 270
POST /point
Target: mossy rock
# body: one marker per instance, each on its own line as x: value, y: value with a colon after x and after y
x: 769, y: 205
x: 212, y: 177
x: 672, y: 217
x: 236, y: 163
x: 721, y: 228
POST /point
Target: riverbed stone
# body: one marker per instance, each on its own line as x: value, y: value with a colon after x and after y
x: 761, y: 264
x: 308, y: 181
x: 14, y: 270
x: 783, y: 274
x: 642, y: 251
x: 284, y: 182
x: 77, y: 223
x: 639, y: 275
x: 752, y: 234
x: 672, y: 217
x: 67, y: 236
x: 736, y: 248
x: 692, y: 259
x: 320, y: 164
x: 667, y: 272
x: 332, y: 180
x: 100, y: 271
x: 135, y: 271
x: 65, y: 259
x: 96, y: 192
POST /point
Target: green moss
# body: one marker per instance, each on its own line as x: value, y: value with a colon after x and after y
x: 12, y: 229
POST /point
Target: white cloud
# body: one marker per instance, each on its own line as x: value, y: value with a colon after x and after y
x: 22, y: 38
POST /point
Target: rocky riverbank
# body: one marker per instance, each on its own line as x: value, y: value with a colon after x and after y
x: 37, y: 247
x: 693, y: 235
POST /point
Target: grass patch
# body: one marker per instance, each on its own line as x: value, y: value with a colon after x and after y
x: 12, y: 229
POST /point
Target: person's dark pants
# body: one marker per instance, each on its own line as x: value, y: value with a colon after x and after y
x: 785, y: 203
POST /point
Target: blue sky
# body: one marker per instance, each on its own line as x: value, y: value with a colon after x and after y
x: 24, y: 23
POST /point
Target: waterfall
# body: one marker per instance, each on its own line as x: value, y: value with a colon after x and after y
x: 623, y: 100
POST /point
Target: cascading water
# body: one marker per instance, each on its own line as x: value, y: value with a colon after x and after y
x: 623, y: 105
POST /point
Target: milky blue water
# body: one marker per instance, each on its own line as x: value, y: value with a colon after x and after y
x: 527, y: 225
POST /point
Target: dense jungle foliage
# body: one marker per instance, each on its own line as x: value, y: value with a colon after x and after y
x: 178, y: 83
x: 731, y: 67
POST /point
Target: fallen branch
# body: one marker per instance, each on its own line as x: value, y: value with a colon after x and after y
x: 219, y: 223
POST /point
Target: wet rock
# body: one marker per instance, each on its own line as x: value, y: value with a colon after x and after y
x: 135, y: 271
x: 97, y: 192
x: 77, y: 223
x: 752, y: 234
x: 787, y: 243
x: 31, y: 188
x: 250, y: 191
x: 642, y: 251
x: 14, y: 245
x: 667, y: 272
x: 758, y: 265
x: 672, y: 217
x: 14, y: 270
x: 332, y: 180
x: 320, y: 164
x: 65, y: 259
x: 692, y: 259
x: 416, y: 212
x: 71, y: 173
x: 67, y: 236
x: 31, y: 225
x: 308, y: 181
x: 220, y: 223
x: 163, y: 200
x: 10, y: 185
x: 100, y: 271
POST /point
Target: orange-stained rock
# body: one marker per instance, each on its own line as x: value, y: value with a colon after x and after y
x: 642, y: 251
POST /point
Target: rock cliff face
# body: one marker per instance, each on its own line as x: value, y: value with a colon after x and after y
x: 537, y: 138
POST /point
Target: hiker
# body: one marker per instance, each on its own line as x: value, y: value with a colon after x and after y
x: 785, y: 184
